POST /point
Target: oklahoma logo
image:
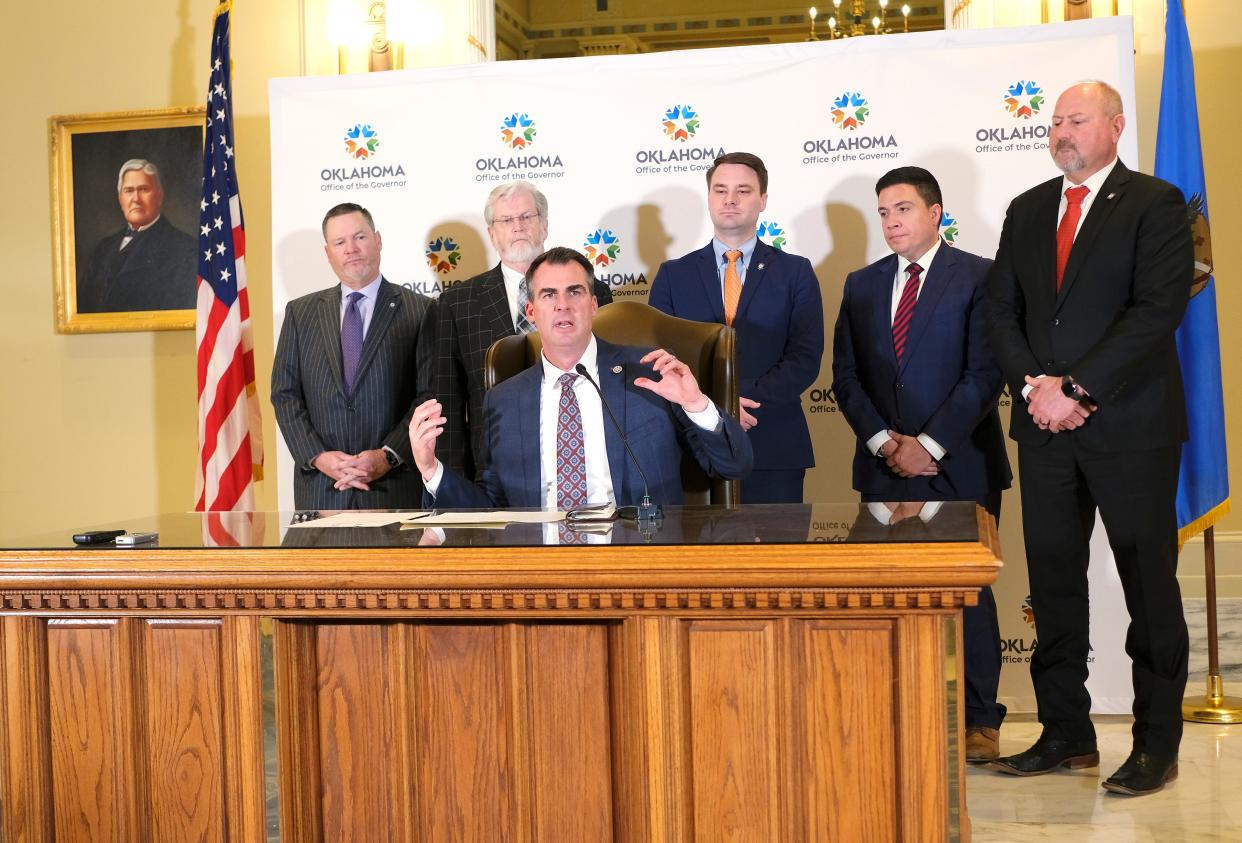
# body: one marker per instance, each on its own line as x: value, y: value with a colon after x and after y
x: 1028, y: 612
x: 517, y: 131
x: 772, y: 234
x: 361, y: 141
x: 948, y: 228
x: 1024, y: 99
x: 602, y: 247
x: 849, y: 111
x: 442, y: 255
x: 680, y: 123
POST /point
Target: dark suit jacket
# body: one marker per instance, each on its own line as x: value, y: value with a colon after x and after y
x: 657, y: 430
x: 780, y: 339
x: 315, y: 414
x: 947, y: 386
x: 158, y: 270
x: 1112, y: 326
x: 470, y: 317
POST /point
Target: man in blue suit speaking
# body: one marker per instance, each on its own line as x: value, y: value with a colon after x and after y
x: 771, y: 298
x: 914, y: 375
x: 547, y: 442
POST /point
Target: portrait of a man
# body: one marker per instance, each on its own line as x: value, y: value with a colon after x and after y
x: 146, y: 263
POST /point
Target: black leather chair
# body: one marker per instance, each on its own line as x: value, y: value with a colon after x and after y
x: 706, y: 347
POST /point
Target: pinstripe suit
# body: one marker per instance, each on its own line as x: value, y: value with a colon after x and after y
x: 316, y: 415
x: 471, y: 316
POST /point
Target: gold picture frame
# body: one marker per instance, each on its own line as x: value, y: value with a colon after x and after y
x: 101, y: 282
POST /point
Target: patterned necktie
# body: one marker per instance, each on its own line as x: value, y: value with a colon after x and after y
x: 733, y: 286
x: 521, y: 324
x: 1068, y: 228
x: 571, y: 484
x: 905, y: 311
x: 351, y: 340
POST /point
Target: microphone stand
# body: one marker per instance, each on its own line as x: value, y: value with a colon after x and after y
x: 647, y: 514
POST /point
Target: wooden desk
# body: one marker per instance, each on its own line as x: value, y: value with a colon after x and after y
x: 734, y: 683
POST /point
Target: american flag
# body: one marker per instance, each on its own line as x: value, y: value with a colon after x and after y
x: 230, y: 442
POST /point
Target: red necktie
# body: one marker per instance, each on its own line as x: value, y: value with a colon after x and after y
x: 905, y: 311
x: 1068, y: 228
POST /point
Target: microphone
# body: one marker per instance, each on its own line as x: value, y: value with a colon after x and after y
x: 646, y: 512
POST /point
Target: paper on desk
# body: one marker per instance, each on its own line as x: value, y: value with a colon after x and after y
x: 478, y: 518
x: 355, y: 519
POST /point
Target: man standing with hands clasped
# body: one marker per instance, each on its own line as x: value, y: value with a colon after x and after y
x: 915, y: 378
x: 1090, y: 282
x: 350, y: 364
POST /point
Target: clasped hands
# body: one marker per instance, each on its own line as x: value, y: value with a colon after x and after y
x: 1051, y: 409
x: 353, y: 471
x: 906, y: 456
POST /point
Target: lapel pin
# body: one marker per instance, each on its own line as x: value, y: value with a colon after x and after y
x: 616, y: 370
x: 1110, y: 196
x: 760, y: 266
x: 392, y: 304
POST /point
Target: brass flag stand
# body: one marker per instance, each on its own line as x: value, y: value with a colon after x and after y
x: 1214, y: 707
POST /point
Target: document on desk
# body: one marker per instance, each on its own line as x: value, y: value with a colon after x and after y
x: 479, y: 518
x: 355, y: 519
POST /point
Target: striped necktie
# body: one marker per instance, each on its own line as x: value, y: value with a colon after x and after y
x: 905, y: 311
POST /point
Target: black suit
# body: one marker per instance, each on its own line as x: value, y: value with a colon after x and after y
x: 158, y: 270
x: 314, y: 412
x: 471, y: 316
x: 1111, y: 327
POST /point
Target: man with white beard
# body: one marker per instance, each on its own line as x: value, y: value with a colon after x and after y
x: 475, y: 313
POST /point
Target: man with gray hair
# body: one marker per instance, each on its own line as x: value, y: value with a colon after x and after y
x: 147, y: 265
x: 475, y: 313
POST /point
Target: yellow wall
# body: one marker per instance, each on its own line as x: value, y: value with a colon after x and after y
x: 96, y: 428
x: 100, y: 427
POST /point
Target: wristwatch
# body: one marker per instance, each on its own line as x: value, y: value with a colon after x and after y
x: 393, y: 460
x: 1070, y: 389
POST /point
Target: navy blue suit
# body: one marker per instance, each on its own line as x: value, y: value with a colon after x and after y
x: 947, y: 387
x: 657, y: 430
x: 780, y: 343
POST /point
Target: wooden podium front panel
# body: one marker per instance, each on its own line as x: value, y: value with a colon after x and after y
x: 480, y: 732
x: 136, y: 715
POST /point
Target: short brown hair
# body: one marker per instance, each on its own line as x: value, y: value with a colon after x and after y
x: 746, y: 159
x: 558, y: 256
x: 344, y: 209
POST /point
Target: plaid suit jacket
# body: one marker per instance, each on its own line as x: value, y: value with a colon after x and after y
x: 470, y: 317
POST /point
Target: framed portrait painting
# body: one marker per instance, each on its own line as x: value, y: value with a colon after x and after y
x: 125, y: 205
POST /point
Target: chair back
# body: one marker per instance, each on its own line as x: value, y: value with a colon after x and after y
x: 706, y: 347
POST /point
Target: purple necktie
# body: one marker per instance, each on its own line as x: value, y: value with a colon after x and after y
x: 351, y: 340
x: 905, y: 311
x: 571, y: 484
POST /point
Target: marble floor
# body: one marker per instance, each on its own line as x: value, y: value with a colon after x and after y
x: 1202, y: 805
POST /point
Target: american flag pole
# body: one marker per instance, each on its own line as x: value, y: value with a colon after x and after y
x: 230, y: 457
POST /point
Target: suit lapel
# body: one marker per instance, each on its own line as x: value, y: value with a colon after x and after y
x: 529, y: 425
x: 612, y: 384
x: 709, y: 276
x: 760, y: 259
x: 495, y: 304
x: 1045, y: 259
x: 328, y: 322
x: 939, y: 274
x: 387, y: 303
x: 1102, y: 206
x: 880, y: 297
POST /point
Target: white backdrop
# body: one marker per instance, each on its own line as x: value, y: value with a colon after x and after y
x: 620, y: 145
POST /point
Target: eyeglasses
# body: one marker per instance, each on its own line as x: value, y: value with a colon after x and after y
x: 524, y: 220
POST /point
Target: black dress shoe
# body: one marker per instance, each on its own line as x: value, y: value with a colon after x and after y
x: 1142, y: 773
x: 1047, y: 755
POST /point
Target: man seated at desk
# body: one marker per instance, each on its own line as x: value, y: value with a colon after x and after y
x: 547, y: 441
